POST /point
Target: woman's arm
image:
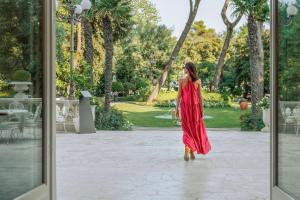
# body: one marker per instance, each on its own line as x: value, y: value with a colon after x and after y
x: 200, y: 96
x: 178, y: 99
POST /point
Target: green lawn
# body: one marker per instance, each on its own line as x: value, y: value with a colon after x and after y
x: 144, y: 116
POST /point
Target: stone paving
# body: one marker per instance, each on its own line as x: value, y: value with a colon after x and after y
x: 147, y: 164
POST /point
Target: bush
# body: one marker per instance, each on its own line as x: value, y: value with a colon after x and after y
x: 250, y: 122
x: 117, y: 87
x: 128, y: 87
x: 21, y: 75
x: 211, y: 100
x: 113, y: 120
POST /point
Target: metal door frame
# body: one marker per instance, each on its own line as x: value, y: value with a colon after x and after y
x: 47, y: 191
x: 276, y: 192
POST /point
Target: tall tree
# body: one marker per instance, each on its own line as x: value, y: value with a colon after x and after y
x: 194, y: 5
x: 229, y: 30
x: 88, y: 46
x: 116, y: 19
x: 257, y: 12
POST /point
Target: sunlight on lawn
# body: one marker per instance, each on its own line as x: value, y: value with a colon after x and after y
x: 144, y: 116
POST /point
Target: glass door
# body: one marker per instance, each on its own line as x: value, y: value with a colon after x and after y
x: 26, y: 100
x: 286, y: 100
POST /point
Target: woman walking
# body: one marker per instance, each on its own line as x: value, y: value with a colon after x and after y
x: 191, y: 108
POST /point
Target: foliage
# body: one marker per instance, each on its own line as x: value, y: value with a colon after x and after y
x: 202, y: 44
x: 21, y: 75
x: 205, y: 71
x: 117, y: 87
x: 264, y: 103
x: 119, y: 12
x: 289, y: 60
x: 113, y: 120
x: 258, y: 8
x: 20, y: 41
x: 250, y: 122
x: 210, y: 99
x: 236, y: 74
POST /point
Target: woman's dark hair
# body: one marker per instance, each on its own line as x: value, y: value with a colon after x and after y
x: 192, y: 71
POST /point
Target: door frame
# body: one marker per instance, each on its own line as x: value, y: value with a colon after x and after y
x: 276, y: 192
x: 47, y: 191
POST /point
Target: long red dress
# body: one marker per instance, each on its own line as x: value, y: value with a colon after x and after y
x: 194, y: 133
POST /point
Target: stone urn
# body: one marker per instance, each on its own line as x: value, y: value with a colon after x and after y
x: 266, y: 120
x: 21, y: 87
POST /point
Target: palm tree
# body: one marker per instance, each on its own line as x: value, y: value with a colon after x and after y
x: 229, y: 31
x: 256, y: 12
x: 163, y: 77
x: 88, y: 46
x: 116, y: 20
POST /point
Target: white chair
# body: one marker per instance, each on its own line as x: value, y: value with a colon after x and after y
x: 62, y: 114
x: 34, y: 121
x: 288, y: 119
x: 296, y: 112
x: 16, y: 106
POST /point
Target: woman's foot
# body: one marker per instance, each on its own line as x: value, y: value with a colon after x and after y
x: 186, y: 153
x: 192, y: 155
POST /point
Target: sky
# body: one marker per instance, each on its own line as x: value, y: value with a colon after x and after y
x: 174, y: 14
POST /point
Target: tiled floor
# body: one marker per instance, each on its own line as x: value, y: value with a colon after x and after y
x: 148, y: 165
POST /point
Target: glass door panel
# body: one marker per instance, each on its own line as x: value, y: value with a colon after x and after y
x: 288, y: 99
x: 21, y: 92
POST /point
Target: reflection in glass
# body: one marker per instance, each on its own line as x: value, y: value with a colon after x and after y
x: 289, y: 99
x: 20, y: 97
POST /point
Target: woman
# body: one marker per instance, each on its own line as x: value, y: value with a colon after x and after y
x: 191, y: 107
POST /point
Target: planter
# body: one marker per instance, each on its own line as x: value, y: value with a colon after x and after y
x: 244, y: 105
x: 21, y: 87
x: 266, y: 120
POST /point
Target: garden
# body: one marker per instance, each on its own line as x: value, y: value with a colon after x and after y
x: 130, y: 62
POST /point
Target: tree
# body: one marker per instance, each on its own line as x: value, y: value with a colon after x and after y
x: 163, y: 77
x: 115, y: 18
x: 229, y: 30
x: 256, y: 12
x: 88, y: 46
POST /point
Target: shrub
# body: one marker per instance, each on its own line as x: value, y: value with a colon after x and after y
x: 250, y: 122
x: 143, y: 88
x: 21, y: 75
x: 264, y: 103
x: 113, y: 120
x: 128, y: 87
x: 211, y: 100
x: 117, y: 87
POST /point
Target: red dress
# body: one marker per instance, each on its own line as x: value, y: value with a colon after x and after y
x: 194, y: 133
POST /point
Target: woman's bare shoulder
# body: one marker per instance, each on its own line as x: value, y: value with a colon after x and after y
x: 182, y: 80
x: 198, y: 81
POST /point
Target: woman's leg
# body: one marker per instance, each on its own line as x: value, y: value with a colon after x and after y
x: 186, y: 153
x: 192, y: 155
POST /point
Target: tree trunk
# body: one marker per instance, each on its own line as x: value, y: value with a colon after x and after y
x: 193, y: 11
x: 256, y: 61
x: 221, y: 61
x: 108, y: 45
x: 89, y: 48
x: 229, y: 26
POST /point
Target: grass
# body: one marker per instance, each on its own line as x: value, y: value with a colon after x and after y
x: 144, y: 116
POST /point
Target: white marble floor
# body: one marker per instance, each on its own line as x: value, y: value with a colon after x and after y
x: 148, y: 165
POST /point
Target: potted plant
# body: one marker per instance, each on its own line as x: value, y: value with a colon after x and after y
x: 21, y: 79
x: 264, y: 104
x: 243, y: 104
